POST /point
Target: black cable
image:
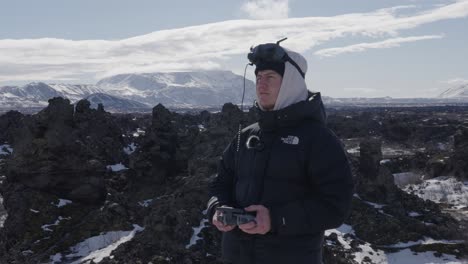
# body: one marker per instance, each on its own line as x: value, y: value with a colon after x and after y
x: 243, y: 92
x: 242, y: 110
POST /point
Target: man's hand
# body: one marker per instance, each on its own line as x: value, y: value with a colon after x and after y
x: 221, y: 227
x: 262, y: 224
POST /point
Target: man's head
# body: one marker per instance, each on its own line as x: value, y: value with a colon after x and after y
x: 280, y: 76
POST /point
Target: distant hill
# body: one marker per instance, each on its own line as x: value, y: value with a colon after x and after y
x: 181, y: 89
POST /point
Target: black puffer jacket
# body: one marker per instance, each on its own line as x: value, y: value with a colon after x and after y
x: 299, y: 171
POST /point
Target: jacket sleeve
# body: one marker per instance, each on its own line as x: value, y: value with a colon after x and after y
x: 331, y: 189
x: 222, y: 187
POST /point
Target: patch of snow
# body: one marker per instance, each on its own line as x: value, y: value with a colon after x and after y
x: 6, y: 149
x: 414, y: 214
x: 139, y: 132
x: 355, y: 150
x: 63, y: 202
x: 196, y: 231
x: 201, y: 128
x: 442, y: 189
x: 385, y: 161
x: 130, y: 148
x: 117, y: 167
x: 56, y: 223
x: 376, y: 256
x: 34, y: 211
x: 39, y: 241
x: 57, y: 258
x: 27, y: 252
x: 405, y: 255
x: 98, y: 247
x: 366, y: 249
x: 2, y: 219
x: 375, y: 205
x: 346, y: 229
x: 145, y: 203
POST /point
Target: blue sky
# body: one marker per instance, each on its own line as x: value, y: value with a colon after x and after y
x: 359, y: 48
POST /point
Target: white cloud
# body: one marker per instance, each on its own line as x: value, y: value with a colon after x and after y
x: 206, y: 46
x: 266, y: 9
x: 388, y: 43
x: 457, y: 81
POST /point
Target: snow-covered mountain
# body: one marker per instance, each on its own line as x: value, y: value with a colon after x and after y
x: 460, y: 91
x: 37, y: 94
x: 178, y: 89
x: 76, y: 92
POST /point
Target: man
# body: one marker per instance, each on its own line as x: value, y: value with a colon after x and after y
x: 288, y: 169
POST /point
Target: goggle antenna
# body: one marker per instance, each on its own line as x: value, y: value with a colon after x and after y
x: 278, y: 42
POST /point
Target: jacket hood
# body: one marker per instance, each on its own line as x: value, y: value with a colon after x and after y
x: 310, y: 109
x: 293, y: 87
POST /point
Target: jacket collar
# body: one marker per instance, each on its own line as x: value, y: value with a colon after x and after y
x: 310, y: 109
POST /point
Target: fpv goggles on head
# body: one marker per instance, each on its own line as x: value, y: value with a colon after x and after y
x: 271, y: 52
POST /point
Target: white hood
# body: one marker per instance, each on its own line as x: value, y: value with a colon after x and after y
x: 293, y: 87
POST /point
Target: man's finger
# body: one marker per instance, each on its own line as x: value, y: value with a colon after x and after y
x: 252, y: 208
x: 227, y: 228
x: 248, y: 226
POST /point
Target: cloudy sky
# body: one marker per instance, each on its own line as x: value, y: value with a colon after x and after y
x: 359, y: 48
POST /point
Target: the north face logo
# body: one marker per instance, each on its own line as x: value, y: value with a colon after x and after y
x: 292, y: 140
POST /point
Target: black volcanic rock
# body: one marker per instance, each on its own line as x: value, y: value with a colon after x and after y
x: 173, y: 159
x: 65, y: 153
x: 155, y: 161
x: 9, y: 123
x: 460, y: 156
x: 374, y: 182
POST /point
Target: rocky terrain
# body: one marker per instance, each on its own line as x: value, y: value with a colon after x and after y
x: 81, y: 185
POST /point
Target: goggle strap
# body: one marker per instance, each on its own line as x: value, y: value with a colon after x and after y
x: 295, y: 65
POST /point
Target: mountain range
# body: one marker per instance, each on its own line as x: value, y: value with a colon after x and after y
x: 180, y: 90
x: 127, y: 92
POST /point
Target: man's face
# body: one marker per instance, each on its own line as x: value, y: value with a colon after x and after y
x: 268, y: 87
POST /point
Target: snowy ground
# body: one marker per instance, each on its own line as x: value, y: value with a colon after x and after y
x: 405, y: 255
x: 447, y: 190
x: 5, y: 149
x: 196, y: 231
x: 95, y: 249
x: 450, y: 192
x: 117, y: 167
x: 443, y: 190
